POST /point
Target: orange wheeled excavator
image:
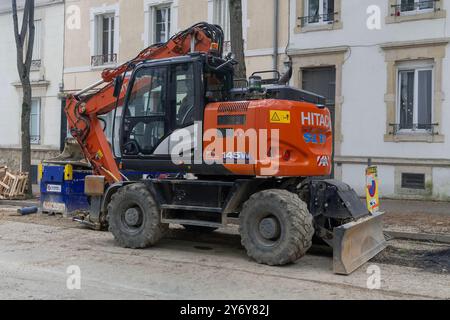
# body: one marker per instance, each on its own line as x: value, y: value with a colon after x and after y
x: 203, y: 154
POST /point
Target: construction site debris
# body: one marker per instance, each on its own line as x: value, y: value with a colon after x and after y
x: 13, y: 186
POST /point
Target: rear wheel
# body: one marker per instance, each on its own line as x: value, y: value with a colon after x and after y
x: 276, y: 227
x: 134, y: 217
x: 199, y: 229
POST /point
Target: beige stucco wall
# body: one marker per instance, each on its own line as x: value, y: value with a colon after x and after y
x: 260, y: 15
x: 191, y: 11
x: 259, y: 34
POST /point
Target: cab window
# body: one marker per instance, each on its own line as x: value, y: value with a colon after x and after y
x: 145, y: 117
x: 185, y: 95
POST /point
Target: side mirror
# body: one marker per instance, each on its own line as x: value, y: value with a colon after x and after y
x: 118, y: 81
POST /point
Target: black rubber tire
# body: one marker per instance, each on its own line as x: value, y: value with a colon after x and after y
x: 199, y: 229
x: 150, y: 229
x: 295, y: 224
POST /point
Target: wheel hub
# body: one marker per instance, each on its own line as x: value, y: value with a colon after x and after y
x: 269, y: 228
x: 132, y: 217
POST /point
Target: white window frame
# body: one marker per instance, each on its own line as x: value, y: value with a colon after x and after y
x: 417, y: 67
x: 39, y: 113
x: 37, y: 48
x: 221, y: 13
x: 96, y: 31
x: 415, y: 11
x: 101, y: 34
x: 321, y: 13
x: 149, y: 23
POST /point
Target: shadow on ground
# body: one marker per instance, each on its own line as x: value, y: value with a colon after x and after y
x: 426, y: 256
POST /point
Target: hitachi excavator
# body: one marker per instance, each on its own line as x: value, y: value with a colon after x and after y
x: 204, y: 153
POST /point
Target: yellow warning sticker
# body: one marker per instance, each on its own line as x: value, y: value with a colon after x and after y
x: 277, y: 116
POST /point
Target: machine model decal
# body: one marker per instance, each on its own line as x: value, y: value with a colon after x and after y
x: 236, y: 156
x: 314, y: 138
x: 315, y: 119
x: 277, y: 116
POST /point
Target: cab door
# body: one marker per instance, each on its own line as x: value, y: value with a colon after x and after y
x: 146, y: 117
x: 160, y: 101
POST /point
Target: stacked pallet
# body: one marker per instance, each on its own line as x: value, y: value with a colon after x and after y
x: 13, y: 186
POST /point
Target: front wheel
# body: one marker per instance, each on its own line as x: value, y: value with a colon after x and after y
x: 276, y: 227
x: 134, y: 217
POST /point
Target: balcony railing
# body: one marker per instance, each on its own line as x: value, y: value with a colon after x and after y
x: 327, y: 18
x: 429, y: 127
x: 405, y: 8
x: 104, y: 59
x: 35, y: 64
x: 35, y: 139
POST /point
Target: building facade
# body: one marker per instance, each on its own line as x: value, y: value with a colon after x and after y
x: 46, y: 78
x: 102, y: 34
x: 381, y: 64
x: 105, y: 33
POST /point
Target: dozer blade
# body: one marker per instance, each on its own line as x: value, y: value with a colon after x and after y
x: 357, y: 242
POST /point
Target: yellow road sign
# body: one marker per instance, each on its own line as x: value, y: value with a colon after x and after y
x: 277, y: 116
x: 372, y: 194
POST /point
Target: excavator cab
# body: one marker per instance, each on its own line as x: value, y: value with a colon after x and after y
x: 163, y: 97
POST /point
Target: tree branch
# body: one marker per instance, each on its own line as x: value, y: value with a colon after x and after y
x: 31, y: 27
x: 23, y: 32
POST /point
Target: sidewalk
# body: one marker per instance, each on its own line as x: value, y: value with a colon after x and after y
x: 422, y: 217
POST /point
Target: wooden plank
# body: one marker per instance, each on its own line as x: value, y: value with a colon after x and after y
x: 13, y: 185
x: 4, y: 185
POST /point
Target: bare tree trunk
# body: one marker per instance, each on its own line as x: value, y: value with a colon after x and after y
x: 24, y: 58
x: 237, y: 39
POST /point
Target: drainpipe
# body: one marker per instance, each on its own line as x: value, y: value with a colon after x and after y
x: 275, y: 33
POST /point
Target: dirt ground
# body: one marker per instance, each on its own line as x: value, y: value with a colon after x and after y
x: 417, y: 223
x: 417, y: 216
x: 427, y: 256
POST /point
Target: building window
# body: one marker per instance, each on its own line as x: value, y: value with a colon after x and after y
x: 415, y: 99
x: 161, y: 24
x: 413, y: 181
x: 36, y: 60
x: 415, y: 90
x: 406, y: 7
x: 105, y: 41
x: 35, y: 121
x: 318, y: 12
x: 221, y: 17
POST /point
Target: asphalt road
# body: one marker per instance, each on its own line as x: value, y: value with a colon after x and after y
x: 34, y: 260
